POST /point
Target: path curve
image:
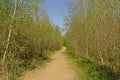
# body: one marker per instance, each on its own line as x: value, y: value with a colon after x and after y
x: 59, y: 68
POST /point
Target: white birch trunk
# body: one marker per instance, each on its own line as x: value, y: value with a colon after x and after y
x: 5, y: 72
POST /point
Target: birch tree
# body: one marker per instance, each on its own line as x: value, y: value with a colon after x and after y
x: 96, y: 23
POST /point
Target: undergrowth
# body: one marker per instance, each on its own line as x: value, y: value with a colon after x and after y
x: 87, y: 70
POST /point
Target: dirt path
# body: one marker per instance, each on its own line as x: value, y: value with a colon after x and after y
x: 58, y: 68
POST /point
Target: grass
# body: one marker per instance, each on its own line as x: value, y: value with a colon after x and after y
x: 39, y: 64
x: 87, y: 70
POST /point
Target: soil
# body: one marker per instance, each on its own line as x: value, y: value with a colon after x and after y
x: 59, y: 68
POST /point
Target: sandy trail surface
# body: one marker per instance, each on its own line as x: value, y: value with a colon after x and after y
x: 59, y: 68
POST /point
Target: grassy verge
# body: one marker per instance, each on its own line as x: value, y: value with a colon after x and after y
x: 86, y: 70
x: 39, y: 64
x: 45, y: 58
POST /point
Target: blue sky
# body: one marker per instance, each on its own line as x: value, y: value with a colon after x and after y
x: 56, y: 10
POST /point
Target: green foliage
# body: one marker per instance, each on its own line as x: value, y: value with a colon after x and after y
x: 93, y: 32
x: 88, y: 70
x: 32, y: 37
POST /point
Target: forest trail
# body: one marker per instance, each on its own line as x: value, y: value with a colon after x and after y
x: 59, y: 68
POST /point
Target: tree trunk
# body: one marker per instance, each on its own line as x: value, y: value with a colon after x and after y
x: 101, y: 56
x: 76, y: 48
x: 5, y: 71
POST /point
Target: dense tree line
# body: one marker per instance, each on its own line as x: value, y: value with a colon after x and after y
x: 25, y: 37
x: 94, y: 31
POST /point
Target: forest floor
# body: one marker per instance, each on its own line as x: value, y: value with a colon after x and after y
x: 58, y: 68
